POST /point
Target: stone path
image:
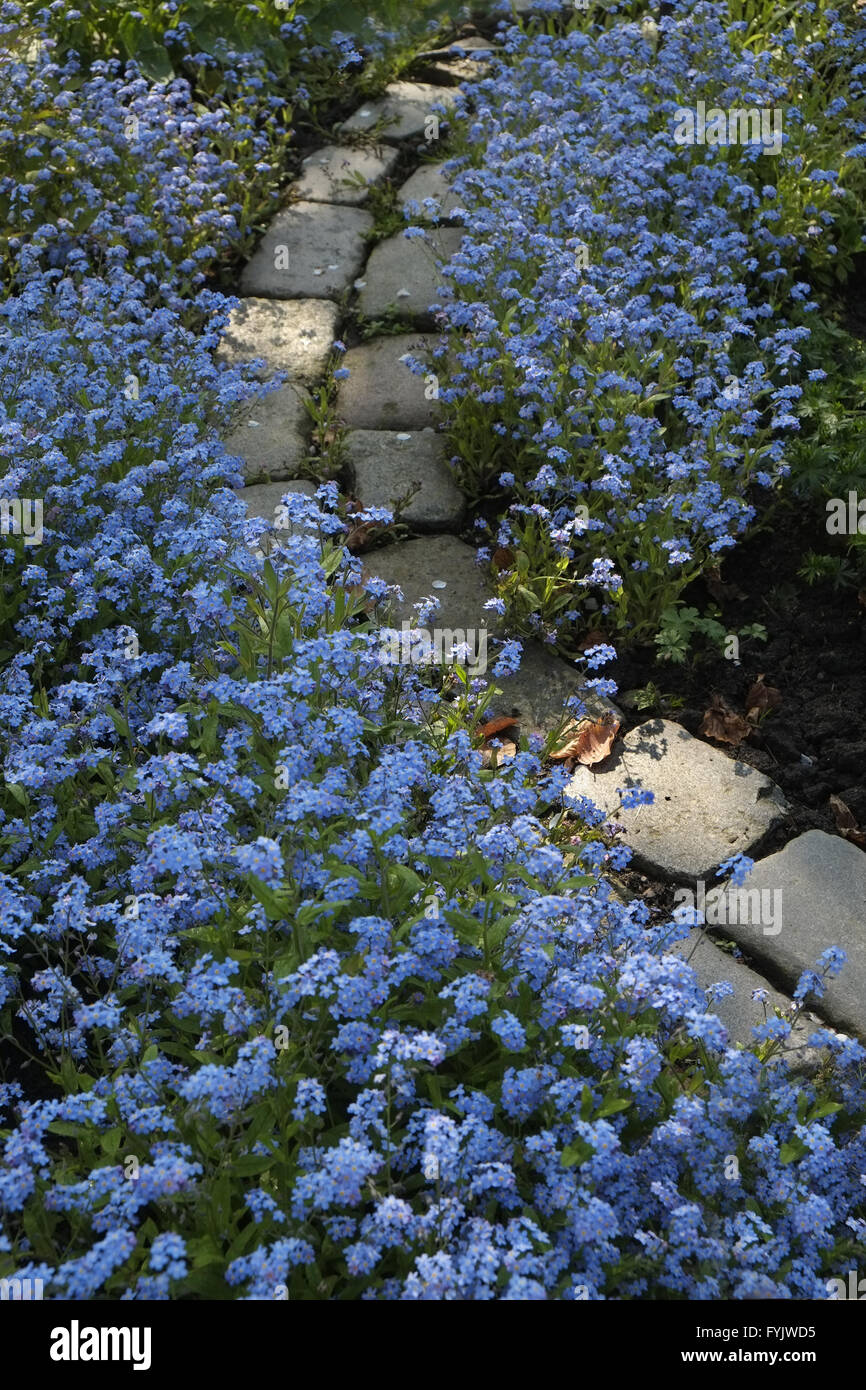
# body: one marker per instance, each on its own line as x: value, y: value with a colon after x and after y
x: 312, y: 265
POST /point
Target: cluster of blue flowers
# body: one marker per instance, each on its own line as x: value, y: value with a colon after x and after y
x: 625, y: 375
x: 297, y: 997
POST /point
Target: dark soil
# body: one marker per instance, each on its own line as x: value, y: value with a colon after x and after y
x: 814, y: 745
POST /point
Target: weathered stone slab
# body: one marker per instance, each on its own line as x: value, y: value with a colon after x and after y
x: 331, y: 174
x: 406, y: 108
x: 403, y: 274
x: 740, y: 1012
x: 429, y: 182
x: 707, y: 807
x: 272, y: 437
x: 387, y: 465
x: 310, y: 250
x: 381, y: 392
x: 295, y: 337
x: 820, y: 881
x: 420, y: 566
x: 464, y: 61
x: 264, y: 500
x: 537, y: 693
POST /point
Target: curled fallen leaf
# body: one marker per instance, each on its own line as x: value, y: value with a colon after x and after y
x: 722, y: 724
x: 492, y: 757
x: 593, y: 638
x: 360, y: 533
x: 761, y: 698
x: 846, y: 822
x: 588, y: 741
x: 503, y: 558
x: 494, y: 726
x: 359, y: 536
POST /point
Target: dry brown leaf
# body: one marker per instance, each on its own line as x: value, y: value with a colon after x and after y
x: 360, y: 533
x: 492, y: 757
x: 592, y: 638
x: 588, y: 741
x: 358, y: 537
x: 324, y: 438
x: 359, y: 592
x: 493, y: 726
x: 846, y: 822
x: 503, y: 558
x: 761, y: 698
x: 723, y: 725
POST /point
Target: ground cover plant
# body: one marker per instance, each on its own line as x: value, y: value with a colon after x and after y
x: 632, y: 332
x: 306, y: 43
x: 299, y: 998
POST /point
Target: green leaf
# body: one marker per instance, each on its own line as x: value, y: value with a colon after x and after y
x: 276, y: 904
x: 251, y: 1165
x: 433, y: 1086
x: 110, y: 1141
x: 285, y: 963
x: 119, y: 722
x: 67, y: 1129
x: 208, y: 736
x: 578, y: 1152
x: 246, y: 1238
x: 311, y: 912
x: 613, y: 1105
x: 207, y: 1282
x: 830, y: 1107
x: 790, y: 1152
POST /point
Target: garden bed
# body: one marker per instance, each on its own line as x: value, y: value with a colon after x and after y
x: 303, y: 997
x: 814, y: 744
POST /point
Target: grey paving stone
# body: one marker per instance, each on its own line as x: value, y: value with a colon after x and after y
x: 739, y: 1012
x: 381, y: 392
x: 264, y: 500
x: 436, y: 560
x: 294, y: 336
x: 451, y: 74
x: 403, y: 274
x: 464, y: 61
x: 330, y: 175
x: 429, y: 182
x: 311, y: 250
x: 386, y: 465
x: 707, y: 807
x: 273, y: 435
x: 538, y: 692
x: 821, y: 885
x: 406, y: 108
